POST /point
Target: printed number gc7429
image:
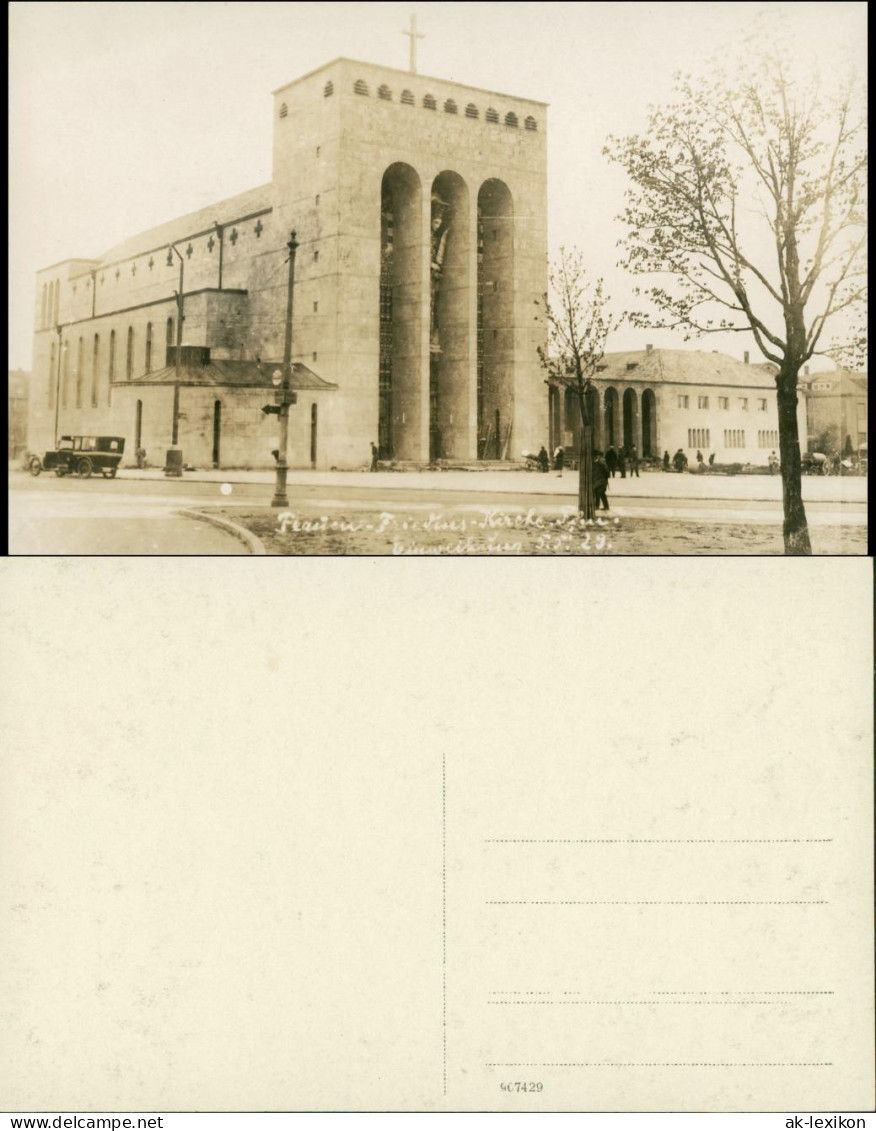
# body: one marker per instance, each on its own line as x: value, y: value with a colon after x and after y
x: 522, y: 1086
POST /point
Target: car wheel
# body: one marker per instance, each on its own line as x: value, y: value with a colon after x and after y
x: 60, y: 472
x: 83, y: 469
x: 112, y: 472
x: 35, y: 466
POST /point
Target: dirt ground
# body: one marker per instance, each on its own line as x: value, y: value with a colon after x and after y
x: 453, y: 533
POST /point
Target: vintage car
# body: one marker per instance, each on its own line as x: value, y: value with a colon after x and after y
x: 82, y: 455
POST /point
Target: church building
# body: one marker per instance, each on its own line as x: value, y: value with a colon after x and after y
x: 419, y: 211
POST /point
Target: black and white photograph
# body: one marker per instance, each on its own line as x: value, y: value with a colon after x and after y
x: 469, y: 279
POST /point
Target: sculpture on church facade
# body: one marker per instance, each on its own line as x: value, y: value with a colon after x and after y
x: 440, y: 231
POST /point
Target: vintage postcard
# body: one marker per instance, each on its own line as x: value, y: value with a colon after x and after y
x: 356, y: 279
x: 536, y: 848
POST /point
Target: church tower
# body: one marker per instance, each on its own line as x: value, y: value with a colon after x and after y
x: 420, y: 205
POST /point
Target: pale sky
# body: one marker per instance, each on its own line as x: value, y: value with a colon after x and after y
x: 124, y: 116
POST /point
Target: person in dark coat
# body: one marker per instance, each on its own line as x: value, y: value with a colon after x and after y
x: 667, y: 462
x: 600, y: 481
x: 374, y: 454
x: 712, y: 460
x: 622, y: 462
x: 634, y: 462
x: 679, y: 460
x: 543, y: 461
x: 611, y: 461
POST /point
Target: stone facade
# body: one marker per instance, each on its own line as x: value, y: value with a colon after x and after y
x: 348, y: 138
x: 662, y: 400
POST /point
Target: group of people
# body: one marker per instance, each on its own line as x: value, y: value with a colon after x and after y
x: 617, y: 460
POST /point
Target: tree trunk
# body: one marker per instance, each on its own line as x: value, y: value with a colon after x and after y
x: 585, y: 463
x: 795, y: 528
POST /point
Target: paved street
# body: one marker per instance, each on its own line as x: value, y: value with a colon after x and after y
x: 136, y: 513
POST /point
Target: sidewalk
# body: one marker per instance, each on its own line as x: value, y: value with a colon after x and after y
x: 651, y: 485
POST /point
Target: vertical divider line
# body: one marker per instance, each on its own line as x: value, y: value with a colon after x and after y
x: 444, y: 913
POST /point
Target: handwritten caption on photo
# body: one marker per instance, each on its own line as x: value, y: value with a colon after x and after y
x: 487, y: 532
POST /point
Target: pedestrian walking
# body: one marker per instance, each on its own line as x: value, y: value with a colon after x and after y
x: 679, y: 460
x: 559, y: 456
x: 374, y: 454
x: 774, y: 463
x: 543, y: 462
x: 600, y: 481
x: 622, y: 462
x: 666, y: 461
x: 141, y: 457
x: 634, y: 462
x: 611, y: 460
x: 711, y: 460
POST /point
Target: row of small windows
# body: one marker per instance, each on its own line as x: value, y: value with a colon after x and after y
x: 698, y: 438
x: 95, y: 364
x: 767, y: 438
x: 734, y: 438
x: 429, y: 103
x: 723, y: 403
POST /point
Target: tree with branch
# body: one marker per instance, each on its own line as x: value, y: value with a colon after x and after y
x: 750, y: 194
x: 578, y: 323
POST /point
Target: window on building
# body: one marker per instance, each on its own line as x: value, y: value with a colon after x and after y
x: 430, y: 102
x: 762, y: 404
x: 284, y: 110
x: 384, y: 93
x: 111, y: 360
x: 316, y: 199
x: 723, y: 402
x: 94, y: 370
x: 734, y: 438
x: 511, y: 119
x: 743, y: 403
x: 169, y: 332
x: 65, y: 379
x: 328, y: 90
x: 360, y: 86
x: 129, y: 359
x: 407, y: 97
x: 52, y: 377
x: 79, y: 373
x: 683, y: 400
x: 316, y: 308
x: 56, y: 307
x: 471, y: 111
x: 450, y: 107
x: 702, y: 402
x: 531, y: 124
x: 148, y: 347
x: 492, y: 115
x: 316, y: 255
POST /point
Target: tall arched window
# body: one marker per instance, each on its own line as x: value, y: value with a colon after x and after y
x: 148, y: 347
x: 56, y: 305
x: 43, y: 307
x: 79, y: 374
x: 111, y: 362
x: 65, y: 376
x: 52, y: 377
x: 94, y: 371
x: 129, y: 360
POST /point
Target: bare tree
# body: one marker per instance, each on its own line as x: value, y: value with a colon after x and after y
x: 578, y: 325
x: 750, y: 194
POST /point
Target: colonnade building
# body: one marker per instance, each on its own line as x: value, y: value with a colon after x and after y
x: 419, y: 207
x: 660, y: 400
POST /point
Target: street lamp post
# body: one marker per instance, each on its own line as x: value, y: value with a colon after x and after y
x: 287, y: 396
x: 174, y: 462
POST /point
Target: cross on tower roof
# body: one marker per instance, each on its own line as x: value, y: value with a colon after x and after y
x: 414, y: 36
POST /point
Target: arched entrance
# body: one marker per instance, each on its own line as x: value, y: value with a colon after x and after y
x: 217, y: 432
x: 495, y: 339
x: 650, y: 447
x: 450, y: 392
x: 610, y: 417
x: 631, y: 419
x: 400, y: 401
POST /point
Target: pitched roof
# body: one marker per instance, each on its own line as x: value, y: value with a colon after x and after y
x: 234, y: 374
x: 224, y: 211
x: 682, y: 367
